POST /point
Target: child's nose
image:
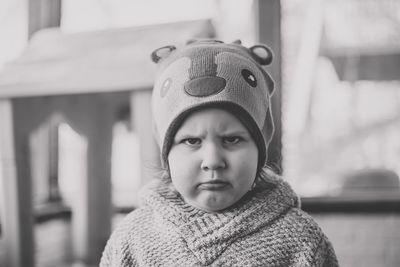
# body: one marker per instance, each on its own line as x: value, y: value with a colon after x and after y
x: 213, y: 158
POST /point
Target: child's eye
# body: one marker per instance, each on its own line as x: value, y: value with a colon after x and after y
x: 191, y: 141
x: 230, y: 140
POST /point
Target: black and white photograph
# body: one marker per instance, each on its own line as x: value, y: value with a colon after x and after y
x: 180, y: 133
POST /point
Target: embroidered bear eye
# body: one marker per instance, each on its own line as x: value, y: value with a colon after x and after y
x: 249, y: 77
x: 165, y: 87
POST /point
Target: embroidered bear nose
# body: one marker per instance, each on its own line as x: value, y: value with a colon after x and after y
x: 205, y: 86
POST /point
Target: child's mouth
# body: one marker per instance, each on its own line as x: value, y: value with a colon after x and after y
x: 213, y: 185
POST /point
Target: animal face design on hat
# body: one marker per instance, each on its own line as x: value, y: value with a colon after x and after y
x: 210, y: 72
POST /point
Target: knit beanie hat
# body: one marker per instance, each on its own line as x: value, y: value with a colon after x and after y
x: 210, y: 73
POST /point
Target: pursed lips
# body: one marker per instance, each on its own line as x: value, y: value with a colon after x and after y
x: 213, y: 185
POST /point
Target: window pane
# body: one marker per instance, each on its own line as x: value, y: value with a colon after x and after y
x: 342, y: 97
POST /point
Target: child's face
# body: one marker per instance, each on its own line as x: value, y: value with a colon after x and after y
x: 213, y: 160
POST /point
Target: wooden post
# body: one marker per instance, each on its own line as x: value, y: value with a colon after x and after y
x: 93, y: 118
x: 17, y: 221
x: 91, y: 115
x: 268, y: 31
x: 43, y: 14
x: 54, y: 192
x: 39, y: 159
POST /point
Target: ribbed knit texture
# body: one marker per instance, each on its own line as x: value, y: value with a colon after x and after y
x: 265, y: 228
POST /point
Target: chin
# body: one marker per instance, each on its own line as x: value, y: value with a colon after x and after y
x: 213, y: 208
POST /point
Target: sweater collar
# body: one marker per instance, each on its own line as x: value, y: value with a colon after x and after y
x: 209, y: 234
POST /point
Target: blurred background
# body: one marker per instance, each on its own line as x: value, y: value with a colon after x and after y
x: 75, y: 121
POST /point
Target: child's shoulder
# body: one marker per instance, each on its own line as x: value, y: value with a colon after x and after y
x: 134, y: 219
x: 143, y: 214
x: 294, y: 215
x: 302, y: 224
x: 302, y: 217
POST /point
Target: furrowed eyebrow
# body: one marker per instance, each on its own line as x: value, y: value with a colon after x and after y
x: 233, y: 133
x: 185, y: 136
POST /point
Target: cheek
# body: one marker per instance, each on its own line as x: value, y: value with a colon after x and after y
x: 246, y: 167
x: 248, y: 172
x: 176, y: 161
x: 181, y: 168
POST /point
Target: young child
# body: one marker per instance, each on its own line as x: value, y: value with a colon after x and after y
x: 216, y: 203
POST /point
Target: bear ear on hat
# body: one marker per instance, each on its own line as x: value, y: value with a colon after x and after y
x: 262, y: 54
x: 161, y: 53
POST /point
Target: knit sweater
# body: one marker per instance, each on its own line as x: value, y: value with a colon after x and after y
x: 265, y: 228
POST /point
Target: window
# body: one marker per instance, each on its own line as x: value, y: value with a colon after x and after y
x: 342, y: 98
